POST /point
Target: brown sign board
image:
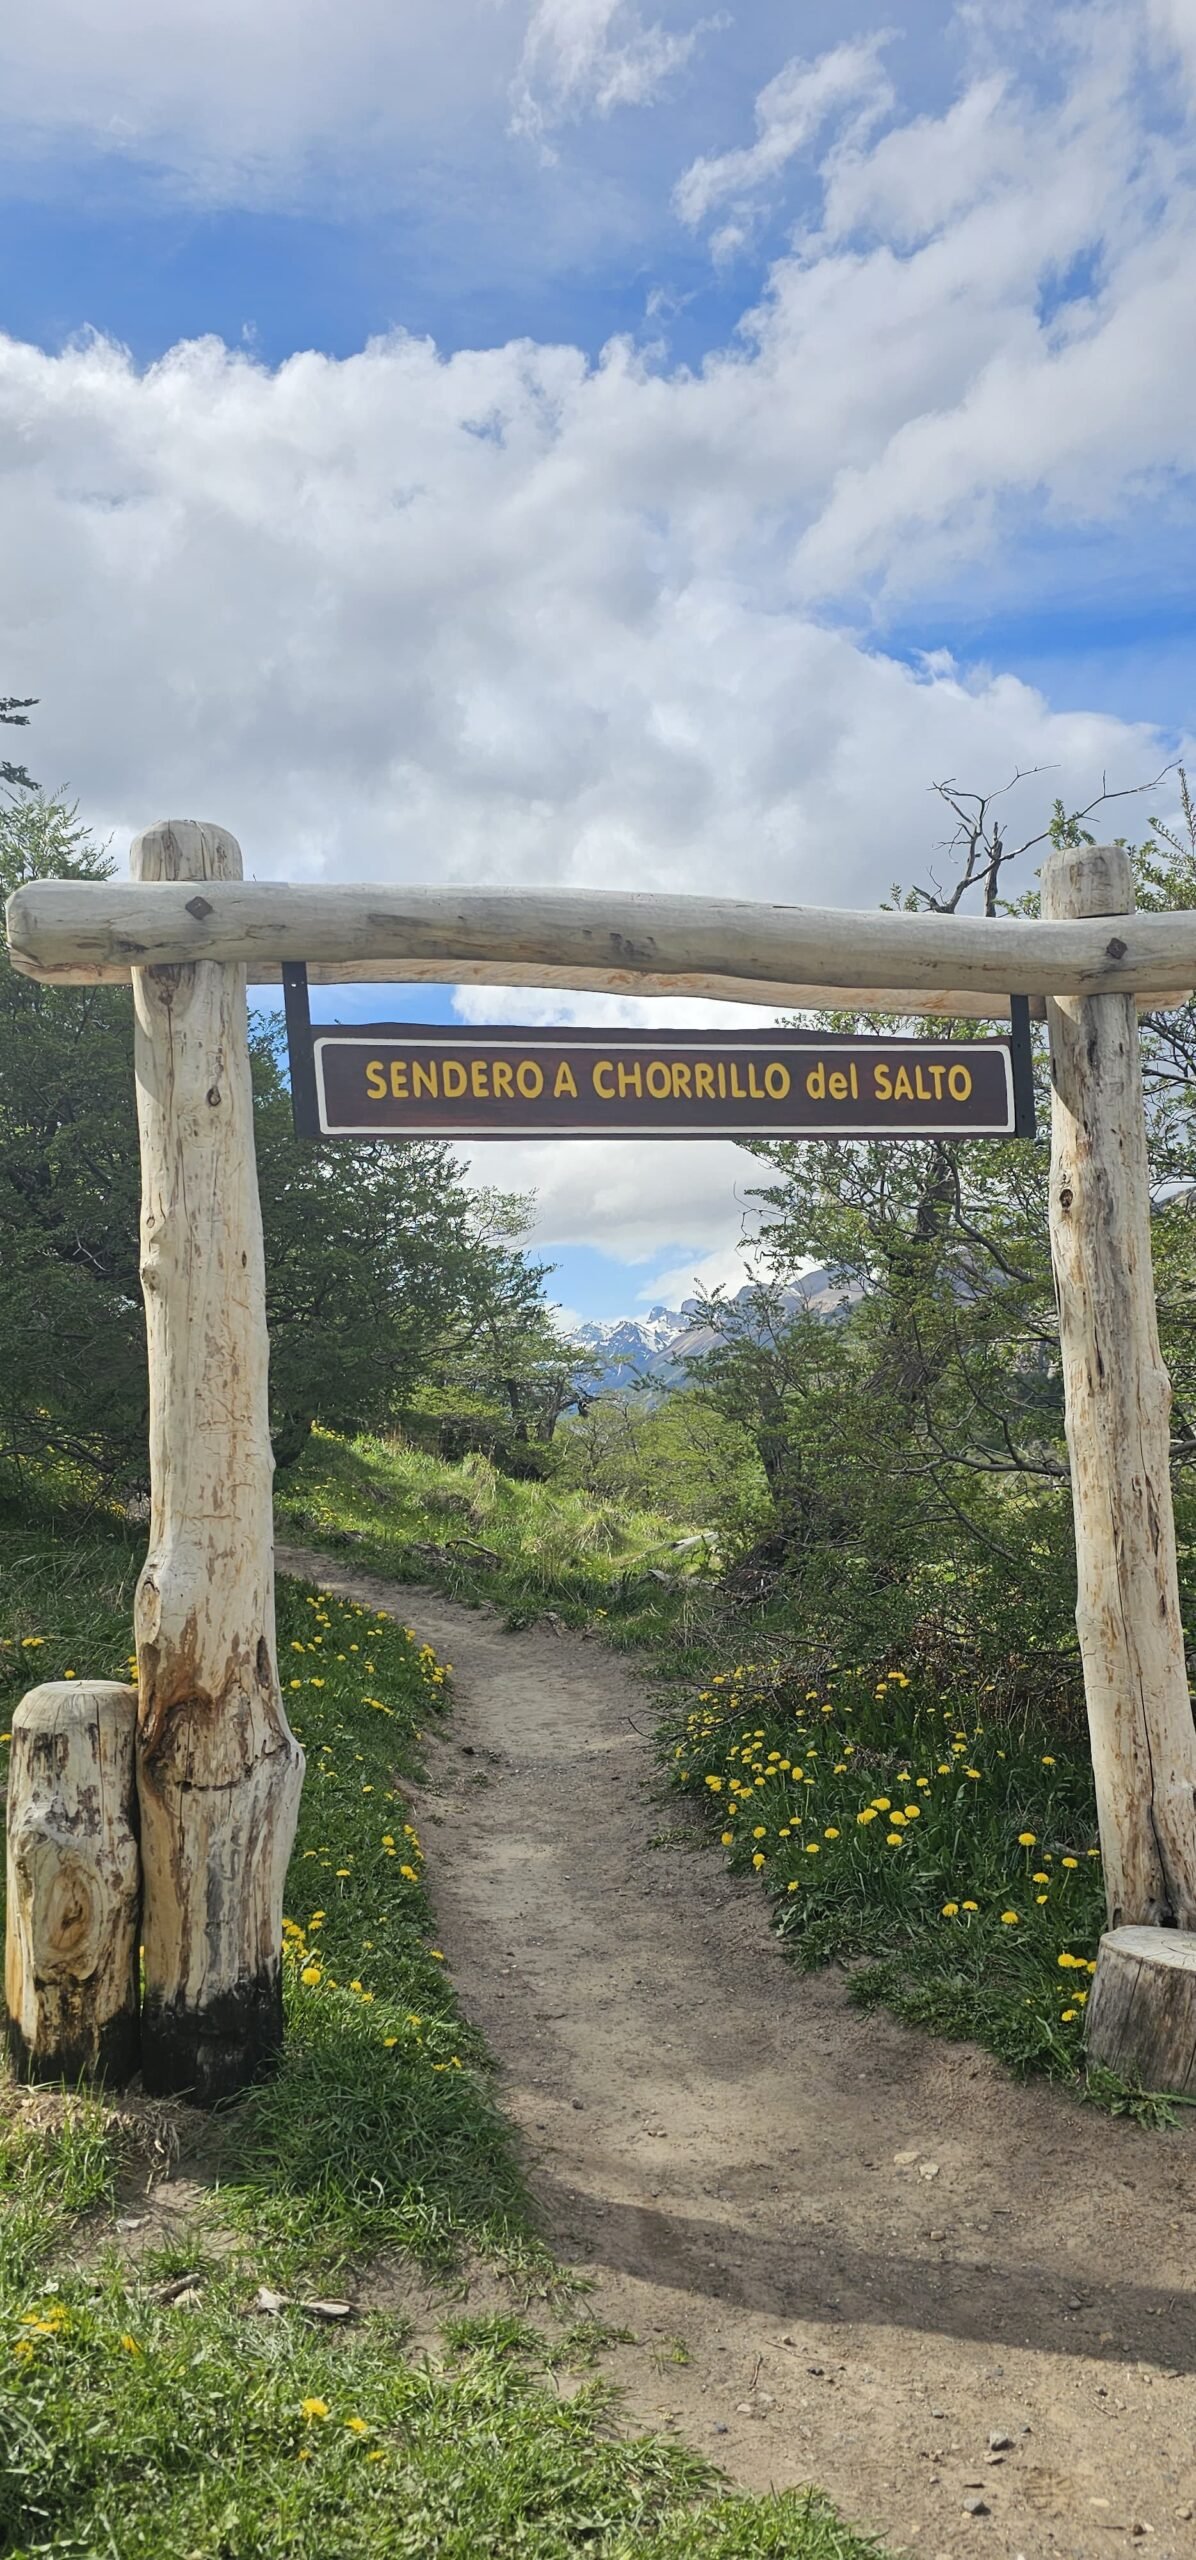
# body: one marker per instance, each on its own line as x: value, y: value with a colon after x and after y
x: 393, y: 1080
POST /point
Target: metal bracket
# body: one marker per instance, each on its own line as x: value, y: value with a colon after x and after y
x: 1021, y: 1056
x: 300, y: 1052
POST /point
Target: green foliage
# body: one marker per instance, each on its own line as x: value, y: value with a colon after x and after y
x: 954, y: 1853
x: 683, y: 1454
x: 13, y: 709
x: 380, y: 1265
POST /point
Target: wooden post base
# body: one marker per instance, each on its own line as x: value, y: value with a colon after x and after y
x: 1142, y: 2008
x: 74, y: 1884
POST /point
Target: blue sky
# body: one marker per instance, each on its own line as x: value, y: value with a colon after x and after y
x: 599, y: 442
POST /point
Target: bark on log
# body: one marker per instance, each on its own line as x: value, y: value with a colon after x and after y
x: 60, y: 929
x: 1118, y: 1399
x: 218, y: 1769
x: 1142, y: 2012
x: 74, y: 1884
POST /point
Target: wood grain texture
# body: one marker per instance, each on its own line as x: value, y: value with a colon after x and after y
x: 1141, y: 2018
x: 219, y: 1771
x: 74, y: 1884
x: 1118, y: 1402
x: 65, y: 929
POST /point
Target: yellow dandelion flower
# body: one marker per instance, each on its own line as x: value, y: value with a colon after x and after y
x: 313, y: 2409
x: 950, y: 1911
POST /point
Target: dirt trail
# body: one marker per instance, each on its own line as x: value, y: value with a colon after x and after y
x: 877, y: 2252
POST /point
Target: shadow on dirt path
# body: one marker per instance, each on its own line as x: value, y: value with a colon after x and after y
x: 848, y: 2253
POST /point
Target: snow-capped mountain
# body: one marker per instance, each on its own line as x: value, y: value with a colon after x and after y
x: 660, y: 1346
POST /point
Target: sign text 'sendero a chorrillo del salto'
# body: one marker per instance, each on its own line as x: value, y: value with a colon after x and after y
x: 423, y: 1081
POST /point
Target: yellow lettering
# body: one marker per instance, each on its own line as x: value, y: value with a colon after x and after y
x: 663, y: 1086
x: 375, y: 1080
x: 959, y: 1083
x: 681, y: 1082
x: 563, y: 1082
x: 936, y: 1077
x: 903, y: 1090
x: 530, y: 1079
x: 629, y: 1079
x: 756, y: 1090
x: 479, y: 1080
x: 504, y: 1082
x: 838, y: 1086
x: 398, y: 1079
x: 737, y: 1091
x: 602, y: 1067
x: 855, y: 1083
x: 424, y: 1079
x: 722, y: 1081
x: 776, y: 1080
x: 816, y: 1083
x: 882, y: 1084
x: 703, y: 1082
x: 922, y: 1090
x: 454, y: 1091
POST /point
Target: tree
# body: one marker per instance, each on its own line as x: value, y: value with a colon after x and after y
x: 918, y: 1469
x: 376, y: 1260
x: 13, y: 709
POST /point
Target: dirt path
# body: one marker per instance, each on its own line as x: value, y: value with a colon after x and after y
x: 874, y: 2252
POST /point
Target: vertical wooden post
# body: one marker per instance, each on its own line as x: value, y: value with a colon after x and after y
x: 1118, y: 1407
x: 74, y: 1884
x: 219, y: 1771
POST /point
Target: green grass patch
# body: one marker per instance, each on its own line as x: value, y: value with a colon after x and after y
x: 481, y: 1535
x: 141, y: 2429
x: 959, y: 1856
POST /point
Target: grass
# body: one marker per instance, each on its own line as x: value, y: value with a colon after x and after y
x: 139, y: 2428
x: 956, y: 1857
x: 480, y: 1535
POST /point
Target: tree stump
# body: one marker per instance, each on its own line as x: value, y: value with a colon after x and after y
x: 74, y: 1884
x: 219, y: 1771
x: 1142, y: 2009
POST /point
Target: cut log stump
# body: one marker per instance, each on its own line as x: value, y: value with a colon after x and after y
x: 74, y: 1884
x: 1142, y: 2009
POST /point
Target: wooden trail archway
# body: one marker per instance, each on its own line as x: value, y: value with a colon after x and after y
x: 218, y: 1771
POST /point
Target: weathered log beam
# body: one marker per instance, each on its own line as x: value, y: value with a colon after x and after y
x: 74, y: 929
x: 1141, y: 2018
x: 218, y: 1769
x: 1118, y: 1399
x: 74, y: 1884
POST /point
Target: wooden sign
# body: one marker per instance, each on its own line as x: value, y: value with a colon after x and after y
x: 420, y: 1080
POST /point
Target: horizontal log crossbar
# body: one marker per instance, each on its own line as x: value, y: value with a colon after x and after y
x: 83, y: 932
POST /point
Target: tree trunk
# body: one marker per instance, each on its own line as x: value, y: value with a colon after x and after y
x: 74, y: 1884
x: 1118, y: 1398
x: 219, y: 1771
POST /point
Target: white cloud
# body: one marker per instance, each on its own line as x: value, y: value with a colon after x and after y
x: 593, y: 55
x: 1175, y: 24
x: 630, y: 1197
x: 512, y: 617
x: 790, y: 112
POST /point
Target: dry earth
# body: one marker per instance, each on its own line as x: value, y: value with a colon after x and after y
x: 849, y: 2253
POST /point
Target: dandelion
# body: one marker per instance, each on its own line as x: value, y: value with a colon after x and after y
x: 1047, y: 1761
x: 893, y: 1839
x: 868, y: 1814
x: 311, y: 1974
x: 950, y: 1911
x: 358, y: 2426
x: 830, y: 1832
x: 969, y: 1906
x: 812, y: 1848
x: 1027, y: 1840
x: 1040, y: 1876
x: 129, y: 2344
x: 1069, y: 1862
x: 880, y: 1804
x: 758, y: 1859
x: 1067, y: 2015
x: 314, y: 2409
